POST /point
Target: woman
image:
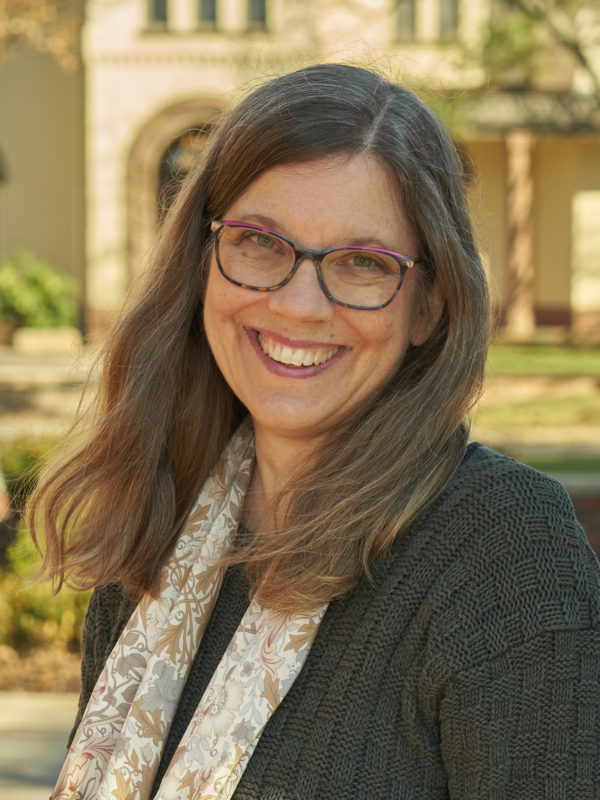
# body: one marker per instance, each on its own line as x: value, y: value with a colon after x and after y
x: 309, y: 583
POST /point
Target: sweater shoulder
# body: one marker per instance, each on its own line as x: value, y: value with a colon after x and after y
x: 108, y: 612
x: 507, y: 561
x: 497, y: 479
x: 493, y: 502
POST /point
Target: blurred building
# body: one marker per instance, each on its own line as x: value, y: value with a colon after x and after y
x: 92, y: 156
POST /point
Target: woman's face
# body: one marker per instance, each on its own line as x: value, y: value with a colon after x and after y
x: 347, y: 354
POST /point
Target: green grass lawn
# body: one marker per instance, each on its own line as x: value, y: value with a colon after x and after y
x: 565, y: 462
x: 550, y: 410
x: 543, y: 360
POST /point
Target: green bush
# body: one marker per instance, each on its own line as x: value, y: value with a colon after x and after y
x: 31, y: 616
x: 34, y: 294
x: 21, y: 461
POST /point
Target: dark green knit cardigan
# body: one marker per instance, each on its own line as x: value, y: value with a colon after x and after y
x: 469, y: 667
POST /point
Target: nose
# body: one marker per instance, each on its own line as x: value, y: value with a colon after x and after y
x: 302, y: 297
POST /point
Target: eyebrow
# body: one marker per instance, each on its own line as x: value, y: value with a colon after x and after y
x: 276, y: 227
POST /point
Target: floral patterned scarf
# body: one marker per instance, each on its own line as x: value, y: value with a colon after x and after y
x: 117, y: 748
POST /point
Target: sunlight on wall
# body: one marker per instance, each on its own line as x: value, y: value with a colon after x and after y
x: 585, y: 286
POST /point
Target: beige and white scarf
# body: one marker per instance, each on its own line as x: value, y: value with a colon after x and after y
x: 118, y: 745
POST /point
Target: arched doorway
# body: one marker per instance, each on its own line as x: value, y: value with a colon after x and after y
x: 157, y: 160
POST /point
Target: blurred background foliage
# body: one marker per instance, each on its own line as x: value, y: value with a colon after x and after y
x: 34, y: 294
x: 21, y: 461
x: 31, y: 615
x: 50, y: 26
x: 39, y: 630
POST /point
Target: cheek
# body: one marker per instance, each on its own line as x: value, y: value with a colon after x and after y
x: 399, y: 343
x: 409, y: 313
x: 218, y: 300
x: 207, y: 269
x: 392, y: 335
x: 387, y: 343
x: 208, y: 305
x: 215, y: 312
x: 223, y: 306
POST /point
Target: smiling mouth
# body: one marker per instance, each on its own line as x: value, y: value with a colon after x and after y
x: 296, y: 356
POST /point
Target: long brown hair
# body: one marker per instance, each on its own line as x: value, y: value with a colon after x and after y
x: 112, y: 507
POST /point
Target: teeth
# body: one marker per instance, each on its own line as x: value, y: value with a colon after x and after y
x: 295, y: 357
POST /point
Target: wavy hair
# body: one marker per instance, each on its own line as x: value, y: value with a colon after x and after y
x: 112, y: 507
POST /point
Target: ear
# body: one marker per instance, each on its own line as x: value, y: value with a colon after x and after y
x: 427, y: 316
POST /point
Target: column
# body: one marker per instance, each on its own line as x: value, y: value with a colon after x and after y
x: 519, y: 289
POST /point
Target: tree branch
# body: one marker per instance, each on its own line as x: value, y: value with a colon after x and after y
x: 538, y: 11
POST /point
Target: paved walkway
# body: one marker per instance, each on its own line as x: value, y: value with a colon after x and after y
x: 39, y: 392
x: 33, y: 733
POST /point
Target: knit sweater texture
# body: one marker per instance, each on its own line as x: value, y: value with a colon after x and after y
x: 469, y: 667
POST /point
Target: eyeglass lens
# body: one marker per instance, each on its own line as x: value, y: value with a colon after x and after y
x: 260, y: 259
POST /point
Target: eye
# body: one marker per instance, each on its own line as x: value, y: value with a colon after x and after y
x: 367, y: 262
x: 360, y: 260
x: 264, y: 240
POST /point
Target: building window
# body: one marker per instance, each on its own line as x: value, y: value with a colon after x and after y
x: 157, y: 12
x: 405, y: 20
x: 448, y: 19
x: 257, y: 14
x: 207, y: 13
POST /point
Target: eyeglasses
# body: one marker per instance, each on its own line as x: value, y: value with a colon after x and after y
x: 354, y: 276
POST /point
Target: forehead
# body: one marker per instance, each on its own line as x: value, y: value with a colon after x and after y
x: 327, y: 200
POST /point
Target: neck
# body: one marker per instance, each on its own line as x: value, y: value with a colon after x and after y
x: 279, y: 461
